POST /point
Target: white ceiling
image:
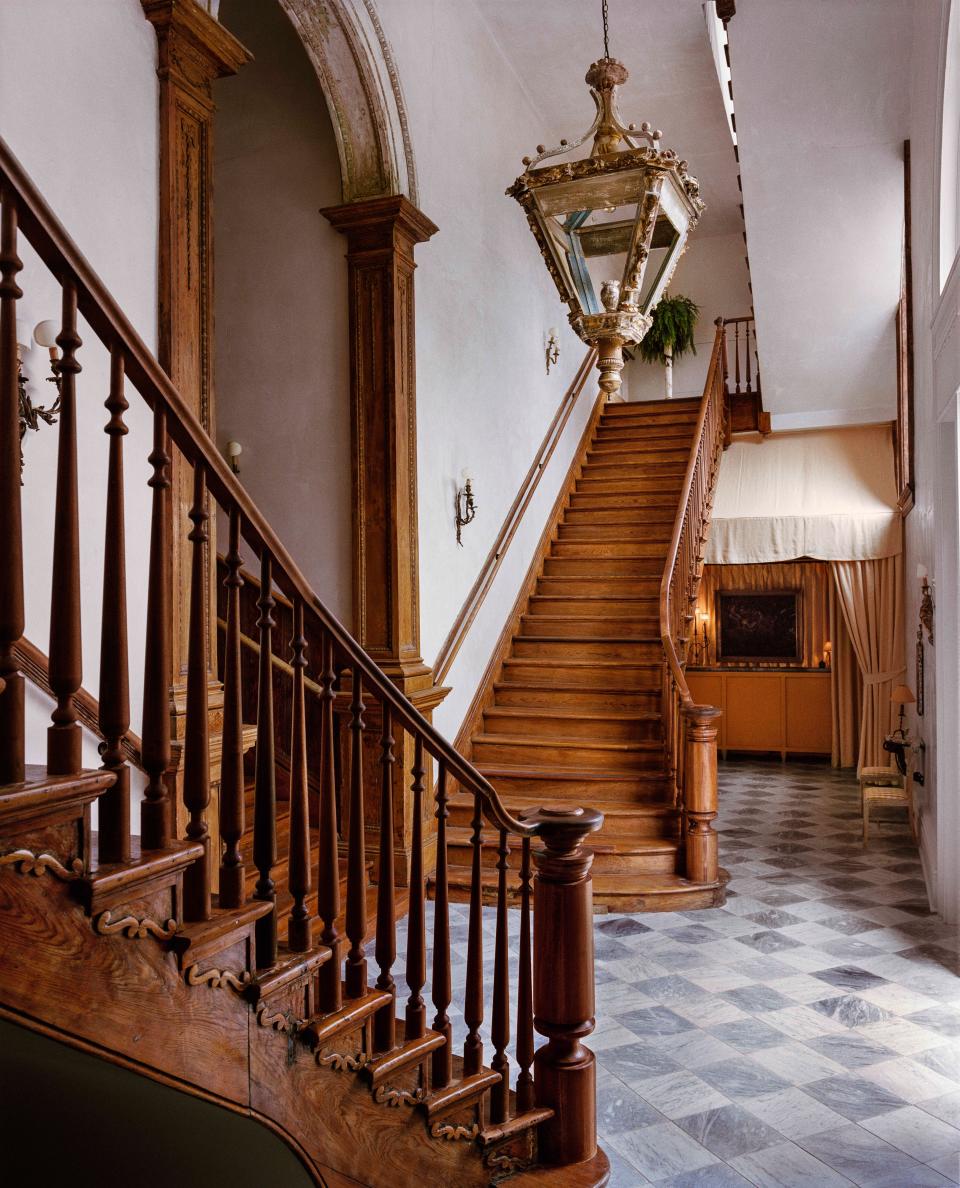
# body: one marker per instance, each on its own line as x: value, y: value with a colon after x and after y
x: 821, y: 89
x: 822, y: 107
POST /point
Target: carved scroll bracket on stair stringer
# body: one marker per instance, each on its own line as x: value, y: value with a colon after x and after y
x: 134, y: 927
x: 27, y: 862
x: 218, y: 979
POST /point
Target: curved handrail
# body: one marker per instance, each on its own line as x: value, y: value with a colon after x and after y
x: 666, y: 628
x: 64, y: 259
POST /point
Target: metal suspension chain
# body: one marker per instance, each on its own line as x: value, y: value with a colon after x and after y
x: 606, y: 29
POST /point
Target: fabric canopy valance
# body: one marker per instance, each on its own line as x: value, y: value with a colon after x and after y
x: 825, y: 493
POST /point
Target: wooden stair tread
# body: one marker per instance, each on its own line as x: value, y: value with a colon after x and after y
x: 611, y: 715
x: 354, y: 1011
x: 550, y: 740
x: 521, y: 771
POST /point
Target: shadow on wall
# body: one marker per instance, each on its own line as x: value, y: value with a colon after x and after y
x: 71, y: 1117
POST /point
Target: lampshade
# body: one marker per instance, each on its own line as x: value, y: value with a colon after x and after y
x: 902, y: 696
x: 45, y: 334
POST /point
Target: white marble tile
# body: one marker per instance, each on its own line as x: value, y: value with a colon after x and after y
x: 787, y: 1166
x: 808, y: 960
x: 679, y: 1093
x: 709, y: 1011
x: 659, y: 1152
x: 794, y: 1113
x: 797, y: 1063
x: 915, y: 1131
x: 949, y: 1166
x: 908, y: 1078
x: 899, y: 999
x: 800, y: 1022
x: 717, y: 978
x: 946, y: 1107
x: 900, y: 1035
x: 810, y: 933
x: 801, y: 988
x: 696, y: 1049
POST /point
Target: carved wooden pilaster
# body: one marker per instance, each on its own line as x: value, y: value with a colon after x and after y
x: 193, y: 50
x: 381, y: 235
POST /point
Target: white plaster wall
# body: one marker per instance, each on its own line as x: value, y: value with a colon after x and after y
x: 484, y: 302
x: 931, y: 528
x: 713, y: 272
x: 282, y: 376
x: 78, y: 106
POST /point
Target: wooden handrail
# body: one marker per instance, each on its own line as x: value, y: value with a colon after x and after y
x: 36, y: 668
x: 64, y: 259
x: 508, y: 529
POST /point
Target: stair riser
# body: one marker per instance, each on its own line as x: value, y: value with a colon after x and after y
x: 580, y: 567
x: 595, y: 649
x: 657, y: 533
x: 595, y: 517
x: 587, y: 607
x: 612, y: 433
x: 643, y: 787
x: 645, y: 677
x: 638, y: 549
x: 606, y: 628
x: 558, y: 585
x: 625, y: 501
x: 564, y: 755
x: 641, y: 461
x: 616, y: 825
x: 667, y: 488
x: 461, y: 857
x: 543, y: 724
x: 590, y: 700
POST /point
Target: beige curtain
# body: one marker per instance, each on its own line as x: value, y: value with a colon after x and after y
x: 846, y: 690
x: 811, y: 578
x: 870, y: 594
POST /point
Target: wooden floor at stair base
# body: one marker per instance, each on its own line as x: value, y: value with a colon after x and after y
x: 572, y: 707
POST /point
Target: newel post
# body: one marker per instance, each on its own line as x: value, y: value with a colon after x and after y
x: 700, y: 793
x: 563, y: 997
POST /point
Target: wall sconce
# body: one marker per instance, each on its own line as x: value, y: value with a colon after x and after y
x: 701, y: 653
x: 464, y: 506
x: 44, y: 335
x: 233, y: 451
x: 926, y: 602
x: 827, y: 654
x: 902, y: 696
x: 552, y: 348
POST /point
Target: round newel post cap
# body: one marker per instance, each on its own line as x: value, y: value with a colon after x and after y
x: 562, y: 826
x: 702, y: 713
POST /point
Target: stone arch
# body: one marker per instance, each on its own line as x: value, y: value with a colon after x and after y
x: 354, y: 64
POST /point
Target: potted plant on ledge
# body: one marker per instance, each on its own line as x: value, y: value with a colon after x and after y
x: 671, y: 334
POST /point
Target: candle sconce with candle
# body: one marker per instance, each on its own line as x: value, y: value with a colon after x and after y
x: 465, y: 509
x: 552, y: 348
x: 700, y: 652
x: 44, y: 335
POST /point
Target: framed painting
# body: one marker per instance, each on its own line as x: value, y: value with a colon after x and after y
x: 758, y: 626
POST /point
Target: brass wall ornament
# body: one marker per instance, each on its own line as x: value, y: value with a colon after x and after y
x: 612, y: 226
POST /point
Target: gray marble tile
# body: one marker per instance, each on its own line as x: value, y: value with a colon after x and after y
x: 948, y: 1166
x: 774, y: 918
x: 747, y: 1035
x: 619, y: 1108
x: 768, y: 942
x: 850, y: 977
x: 622, y: 926
x: 757, y: 999
x: 785, y: 1165
x: 850, y: 1010
x: 854, y: 1097
x: 944, y: 1020
x: 742, y: 1078
x: 714, y: 1175
x: 794, y: 1113
x: 658, y: 1020
x: 674, y: 1093
x: 669, y: 989
x: 659, y: 1152
x: 729, y: 1131
x: 915, y: 1131
x: 636, y: 1062
x: 945, y: 1107
x: 860, y: 1155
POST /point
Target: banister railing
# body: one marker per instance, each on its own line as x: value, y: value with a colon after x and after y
x: 690, y: 730
x: 561, y: 1009
x: 742, y: 375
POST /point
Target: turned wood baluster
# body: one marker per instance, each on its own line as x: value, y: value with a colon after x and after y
x: 525, y: 991
x: 300, y: 927
x: 563, y: 989
x: 386, y: 947
x: 64, y: 738
x: 196, y: 742
x: 114, y: 720
x: 356, y: 966
x: 500, y: 1015
x: 442, y: 1057
x: 473, y: 1008
x: 328, y: 869
x: 232, y: 790
x: 11, y: 537
x: 416, y: 1017
x: 265, y: 780
x: 749, y: 351
x: 700, y: 793
x: 736, y: 354
x: 155, y: 811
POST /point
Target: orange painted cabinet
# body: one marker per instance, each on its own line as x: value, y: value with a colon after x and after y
x: 785, y: 710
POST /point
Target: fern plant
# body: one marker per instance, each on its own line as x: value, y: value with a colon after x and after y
x: 671, y: 336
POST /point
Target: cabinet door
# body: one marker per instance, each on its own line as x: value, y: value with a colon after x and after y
x: 809, y: 720
x: 754, y: 711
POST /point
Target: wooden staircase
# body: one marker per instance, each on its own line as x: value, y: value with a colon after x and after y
x: 579, y: 705
x: 257, y: 996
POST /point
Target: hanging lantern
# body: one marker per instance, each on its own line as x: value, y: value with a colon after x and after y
x: 612, y: 226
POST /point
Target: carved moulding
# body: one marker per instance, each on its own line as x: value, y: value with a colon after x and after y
x: 284, y: 1021
x: 384, y: 1095
x: 454, y: 1132
x: 502, y: 1165
x: 26, y: 862
x: 343, y: 1061
x: 133, y: 928
x: 218, y: 979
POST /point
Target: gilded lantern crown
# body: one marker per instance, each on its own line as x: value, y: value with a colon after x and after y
x: 612, y: 226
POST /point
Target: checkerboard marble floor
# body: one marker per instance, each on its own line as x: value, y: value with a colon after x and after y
x: 806, y: 1035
